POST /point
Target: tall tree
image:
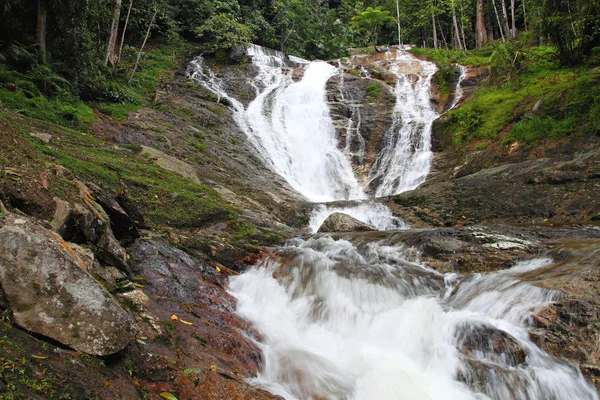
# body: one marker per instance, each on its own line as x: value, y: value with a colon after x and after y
x: 370, y: 20
x: 41, y: 28
x: 112, y: 37
x: 457, y: 42
x: 480, y: 31
x: 124, y: 30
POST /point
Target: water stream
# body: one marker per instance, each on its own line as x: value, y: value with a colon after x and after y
x: 345, y: 321
x: 363, y: 319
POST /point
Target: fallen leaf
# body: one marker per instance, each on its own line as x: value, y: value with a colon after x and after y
x: 168, y: 396
x: 138, y: 285
x: 174, y: 317
x: 218, y: 269
x: 213, y: 367
x: 185, y: 322
x: 39, y: 357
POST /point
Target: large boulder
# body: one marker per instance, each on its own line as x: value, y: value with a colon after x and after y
x: 50, y: 293
x: 88, y: 223
x: 340, y: 222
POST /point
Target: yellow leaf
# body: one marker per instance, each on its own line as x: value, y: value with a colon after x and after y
x: 213, y: 367
x: 128, y: 257
x: 138, y: 285
x: 218, y: 269
x: 174, y: 317
x: 185, y: 322
x: 168, y: 396
x: 39, y: 357
x: 464, y: 217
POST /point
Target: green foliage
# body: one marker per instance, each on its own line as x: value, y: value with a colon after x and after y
x: 222, y: 33
x: 373, y: 91
x: 543, y: 101
x: 506, y: 63
x: 370, y: 20
x: 63, y: 110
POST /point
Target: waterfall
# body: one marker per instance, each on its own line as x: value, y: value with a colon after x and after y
x: 339, y: 321
x: 404, y: 161
x: 367, y: 320
x: 289, y: 124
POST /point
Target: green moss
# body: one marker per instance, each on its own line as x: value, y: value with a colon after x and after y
x: 373, y: 91
x: 198, y: 145
x: 544, y: 101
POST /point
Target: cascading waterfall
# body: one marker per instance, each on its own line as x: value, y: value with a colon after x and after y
x: 339, y: 321
x: 404, y: 161
x: 289, y: 124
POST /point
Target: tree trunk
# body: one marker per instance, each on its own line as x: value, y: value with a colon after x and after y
x: 498, y: 19
x: 112, y: 38
x: 512, y: 11
x: 435, y: 35
x: 137, y: 62
x: 481, y: 34
x: 462, y: 26
x: 40, y: 33
x: 525, y: 15
x: 505, y: 19
x: 456, y: 34
x: 124, y: 30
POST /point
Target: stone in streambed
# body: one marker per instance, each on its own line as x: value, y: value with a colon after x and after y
x: 340, y: 222
x: 49, y: 292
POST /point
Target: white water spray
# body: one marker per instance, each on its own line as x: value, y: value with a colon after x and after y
x: 341, y: 322
x: 404, y: 161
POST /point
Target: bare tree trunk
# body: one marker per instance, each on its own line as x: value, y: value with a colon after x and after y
x: 137, y: 62
x: 112, y: 38
x: 457, y: 43
x: 505, y: 19
x: 512, y: 11
x: 124, y: 30
x: 40, y: 33
x: 443, y: 36
x: 435, y: 36
x: 462, y: 26
x: 481, y: 34
x: 525, y: 15
x: 498, y: 19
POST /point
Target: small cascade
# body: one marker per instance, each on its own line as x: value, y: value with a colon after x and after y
x: 458, y: 93
x: 375, y: 214
x: 404, y: 161
x: 337, y: 321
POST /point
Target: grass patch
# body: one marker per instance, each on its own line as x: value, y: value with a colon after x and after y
x: 543, y: 101
x: 373, y: 91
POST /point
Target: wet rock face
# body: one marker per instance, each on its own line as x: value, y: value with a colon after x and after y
x: 339, y: 222
x: 49, y: 292
x: 178, y: 283
x: 536, y: 190
x: 489, y: 343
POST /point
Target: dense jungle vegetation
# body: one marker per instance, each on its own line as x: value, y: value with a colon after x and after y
x: 60, y: 59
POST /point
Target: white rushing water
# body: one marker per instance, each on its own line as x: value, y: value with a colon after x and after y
x: 371, y: 213
x: 369, y: 321
x: 289, y: 124
x: 404, y: 161
x: 341, y: 322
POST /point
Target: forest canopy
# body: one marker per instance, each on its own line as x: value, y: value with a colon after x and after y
x: 74, y: 45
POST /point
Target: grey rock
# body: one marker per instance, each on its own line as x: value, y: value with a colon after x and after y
x: 50, y: 293
x: 339, y: 222
x: 44, y: 137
